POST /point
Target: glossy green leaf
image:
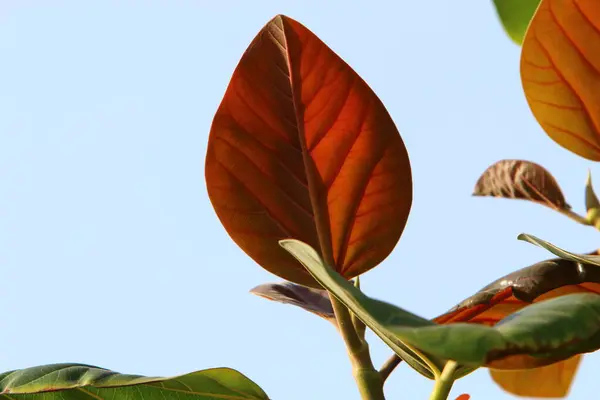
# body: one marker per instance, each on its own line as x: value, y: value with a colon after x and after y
x: 559, y: 73
x: 552, y: 330
x: 557, y: 251
x: 515, y: 16
x: 78, y: 381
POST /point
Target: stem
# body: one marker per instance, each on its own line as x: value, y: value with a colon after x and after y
x: 370, y: 384
x: 388, y: 367
x: 593, y: 217
x: 359, y: 326
x: 575, y: 217
x: 443, y: 384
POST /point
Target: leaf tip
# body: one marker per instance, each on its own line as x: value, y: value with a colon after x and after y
x: 258, y: 290
x: 526, y: 237
x: 588, y: 180
x: 287, y: 243
x: 591, y: 200
x: 279, y: 18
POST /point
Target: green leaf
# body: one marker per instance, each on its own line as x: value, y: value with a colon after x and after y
x: 542, y: 280
x: 79, y: 381
x: 557, y: 251
x: 556, y: 329
x: 552, y: 330
x: 360, y: 305
x: 515, y: 16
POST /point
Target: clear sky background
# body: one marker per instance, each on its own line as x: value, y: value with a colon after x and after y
x: 111, y: 253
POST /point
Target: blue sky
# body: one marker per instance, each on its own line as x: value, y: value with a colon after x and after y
x: 111, y: 252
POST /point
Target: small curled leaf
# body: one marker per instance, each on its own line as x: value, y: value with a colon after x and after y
x: 312, y: 300
x: 520, y: 179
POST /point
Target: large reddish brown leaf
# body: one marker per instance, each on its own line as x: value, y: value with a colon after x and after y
x: 520, y: 179
x: 302, y: 148
x: 560, y: 71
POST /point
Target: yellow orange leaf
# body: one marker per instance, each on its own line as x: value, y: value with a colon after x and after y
x: 302, y: 148
x: 560, y: 72
x: 552, y: 381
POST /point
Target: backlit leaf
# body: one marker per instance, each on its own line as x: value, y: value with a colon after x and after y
x: 315, y: 301
x: 78, y: 381
x: 520, y: 179
x: 544, y: 332
x: 515, y: 16
x: 550, y: 381
x: 301, y: 147
x: 560, y: 72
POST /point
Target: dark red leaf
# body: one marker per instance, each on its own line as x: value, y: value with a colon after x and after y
x: 302, y: 148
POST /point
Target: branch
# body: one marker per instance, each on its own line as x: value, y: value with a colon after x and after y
x: 367, y: 377
x: 388, y: 367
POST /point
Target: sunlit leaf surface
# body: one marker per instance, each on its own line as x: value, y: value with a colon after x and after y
x: 552, y: 381
x: 560, y: 71
x: 301, y: 147
x: 85, y: 382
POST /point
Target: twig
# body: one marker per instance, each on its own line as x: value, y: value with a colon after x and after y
x: 388, y: 367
